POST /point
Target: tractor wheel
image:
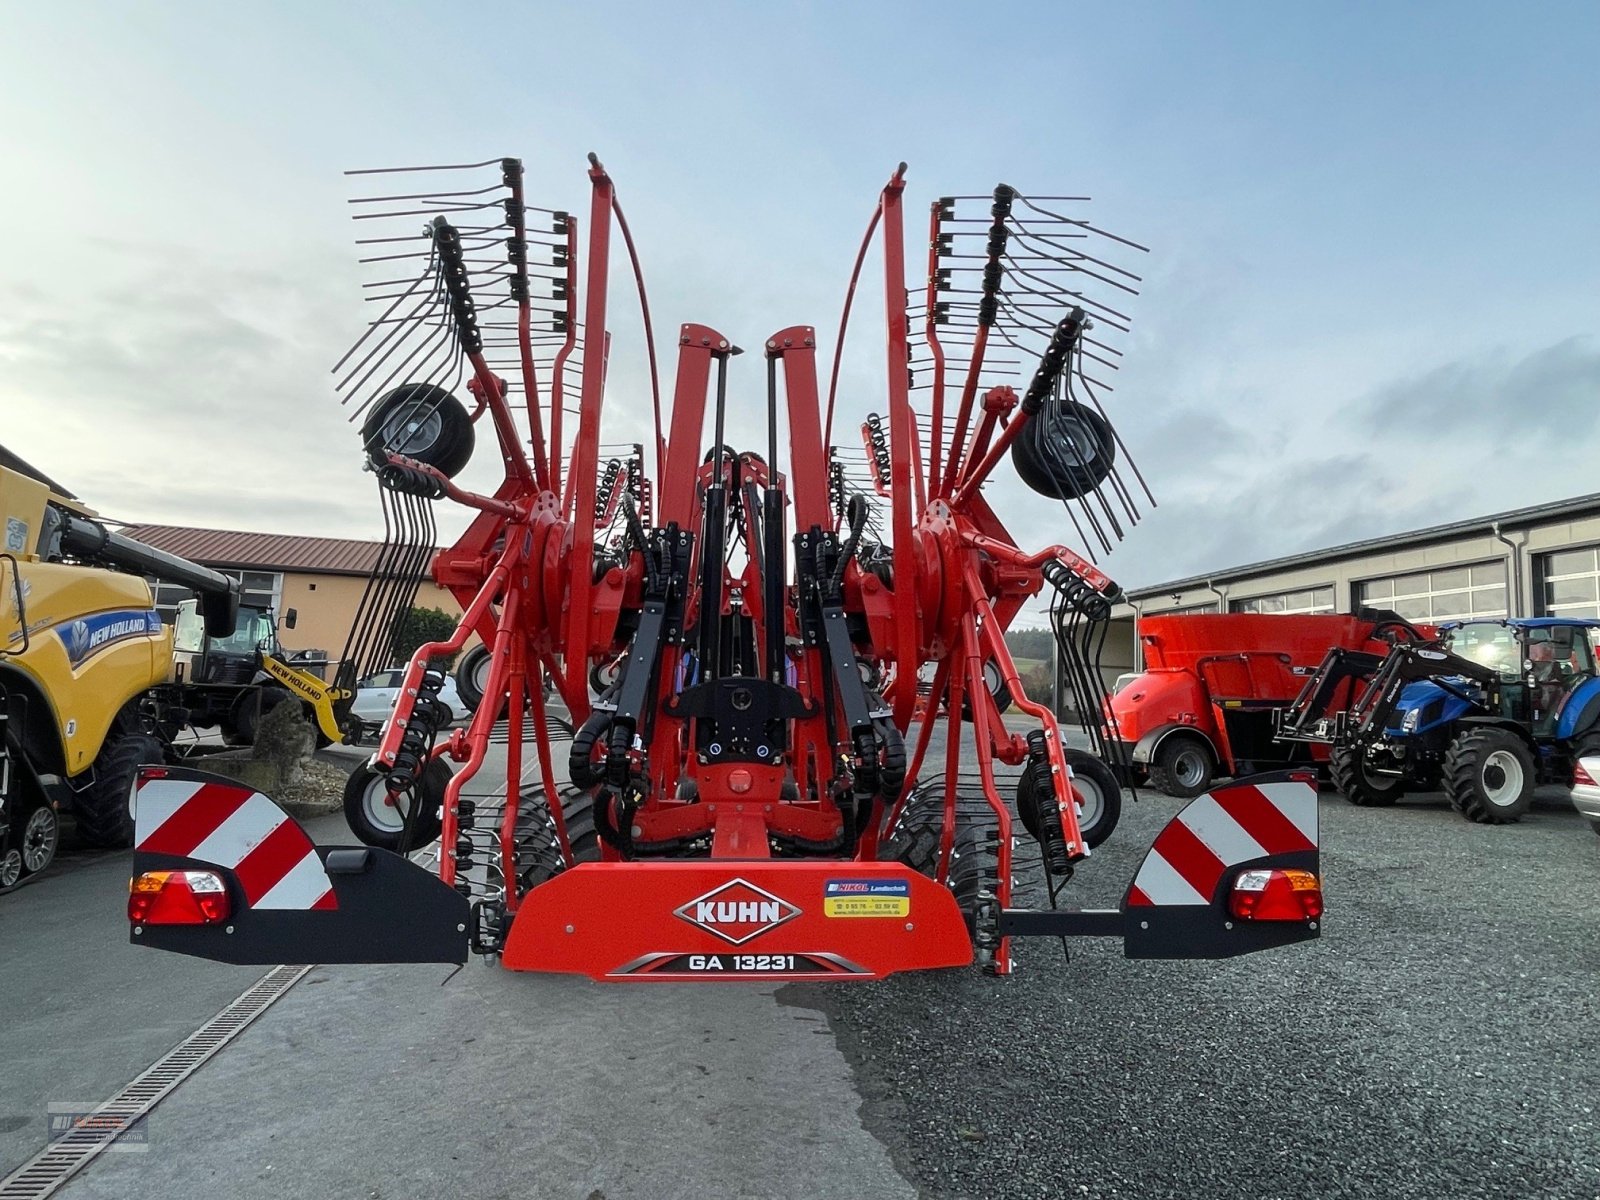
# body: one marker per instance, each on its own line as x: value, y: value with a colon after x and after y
x: 1183, y: 767
x: 1348, y: 768
x: 383, y: 825
x: 250, y: 707
x: 1489, y: 776
x: 105, y: 811
x: 41, y: 835
x: 538, y: 853
x: 421, y: 421
x: 998, y: 691
x: 915, y: 838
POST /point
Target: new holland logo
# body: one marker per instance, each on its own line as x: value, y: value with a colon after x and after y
x: 737, y: 911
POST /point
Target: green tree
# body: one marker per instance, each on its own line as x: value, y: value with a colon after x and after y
x: 416, y: 627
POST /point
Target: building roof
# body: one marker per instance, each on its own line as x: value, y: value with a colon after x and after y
x: 1516, y: 518
x: 262, y: 551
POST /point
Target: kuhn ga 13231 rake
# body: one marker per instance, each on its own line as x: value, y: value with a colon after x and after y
x: 731, y: 664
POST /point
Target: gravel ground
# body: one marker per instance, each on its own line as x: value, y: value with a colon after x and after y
x: 1441, y: 1040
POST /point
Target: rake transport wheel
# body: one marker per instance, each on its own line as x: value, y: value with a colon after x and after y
x: 914, y: 841
x: 421, y: 421
x: 1348, y: 769
x: 538, y: 852
x: 105, y: 817
x: 1099, y: 796
x: 998, y: 691
x: 472, y: 676
x: 1183, y: 767
x: 1489, y: 776
x: 380, y: 824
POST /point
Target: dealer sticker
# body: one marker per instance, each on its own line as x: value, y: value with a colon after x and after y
x: 866, y: 898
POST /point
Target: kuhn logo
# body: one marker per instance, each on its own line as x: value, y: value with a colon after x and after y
x: 737, y: 911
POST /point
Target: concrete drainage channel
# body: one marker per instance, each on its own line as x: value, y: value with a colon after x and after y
x: 66, y: 1155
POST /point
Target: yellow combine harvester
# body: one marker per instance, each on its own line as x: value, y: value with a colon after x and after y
x: 88, y: 690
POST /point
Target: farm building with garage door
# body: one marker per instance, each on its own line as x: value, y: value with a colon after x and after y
x: 1539, y: 561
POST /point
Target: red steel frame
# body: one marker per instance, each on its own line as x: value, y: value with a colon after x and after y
x: 523, y: 575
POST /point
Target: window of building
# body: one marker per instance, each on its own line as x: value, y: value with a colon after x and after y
x: 258, y: 589
x: 1569, y: 583
x: 1188, y: 610
x: 1306, y: 600
x: 1446, y: 594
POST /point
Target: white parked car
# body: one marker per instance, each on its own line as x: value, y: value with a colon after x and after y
x: 1586, y: 788
x: 375, y: 696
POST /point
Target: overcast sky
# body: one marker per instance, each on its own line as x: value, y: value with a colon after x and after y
x: 1371, y: 300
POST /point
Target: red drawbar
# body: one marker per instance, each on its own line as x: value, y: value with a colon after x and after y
x: 752, y: 920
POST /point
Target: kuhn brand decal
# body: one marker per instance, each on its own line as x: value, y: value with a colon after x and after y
x: 87, y: 636
x: 866, y: 898
x: 737, y: 911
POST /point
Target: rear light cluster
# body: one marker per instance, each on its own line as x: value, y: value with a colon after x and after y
x: 1273, y: 895
x: 178, y: 898
x: 1581, y: 775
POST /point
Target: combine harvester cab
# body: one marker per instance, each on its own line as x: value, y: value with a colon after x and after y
x: 753, y: 650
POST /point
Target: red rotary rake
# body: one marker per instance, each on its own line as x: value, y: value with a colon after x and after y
x: 755, y: 649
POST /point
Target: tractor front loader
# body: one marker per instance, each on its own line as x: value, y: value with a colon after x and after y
x: 756, y: 782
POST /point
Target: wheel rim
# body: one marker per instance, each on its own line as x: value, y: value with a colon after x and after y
x: 411, y: 431
x: 10, y: 868
x: 992, y: 678
x: 1189, y: 767
x: 480, y: 674
x: 1091, y: 802
x: 39, y: 839
x: 390, y: 818
x: 1502, y: 778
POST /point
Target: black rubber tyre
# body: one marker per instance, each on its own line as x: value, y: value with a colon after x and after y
x: 421, y: 421
x: 1099, y: 796
x: 105, y: 809
x: 1183, y: 767
x: 914, y: 841
x: 539, y: 854
x: 10, y: 870
x: 1347, y: 769
x: 41, y: 836
x: 472, y: 675
x: 1076, y: 462
x: 1489, y: 776
x: 250, y: 707
x: 998, y: 690
x: 380, y: 825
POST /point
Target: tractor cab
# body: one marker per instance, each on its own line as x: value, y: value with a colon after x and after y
x: 235, y: 658
x: 1540, y: 663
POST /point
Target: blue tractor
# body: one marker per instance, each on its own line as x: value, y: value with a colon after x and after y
x: 1486, y: 711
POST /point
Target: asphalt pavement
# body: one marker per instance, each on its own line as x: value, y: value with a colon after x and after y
x: 1441, y: 1040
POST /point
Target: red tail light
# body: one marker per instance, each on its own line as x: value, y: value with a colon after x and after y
x: 1267, y: 895
x: 178, y: 898
x: 1579, y: 775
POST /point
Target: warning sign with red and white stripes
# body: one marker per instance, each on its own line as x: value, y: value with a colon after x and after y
x: 230, y: 825
x: 1227, y: 826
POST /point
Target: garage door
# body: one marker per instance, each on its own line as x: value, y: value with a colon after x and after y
x: 1570, y: 583
x: 1445, y: 594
